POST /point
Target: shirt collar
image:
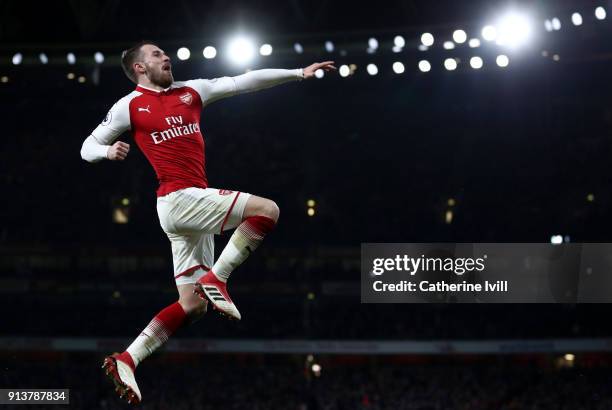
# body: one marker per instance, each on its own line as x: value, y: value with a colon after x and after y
x: 151, y: 91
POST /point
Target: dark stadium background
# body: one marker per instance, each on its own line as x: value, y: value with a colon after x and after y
x: 523, y: 152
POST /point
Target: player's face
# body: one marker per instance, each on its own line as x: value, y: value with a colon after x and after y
x: 158, y: 67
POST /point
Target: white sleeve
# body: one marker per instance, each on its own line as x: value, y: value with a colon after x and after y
x: 117, y: 121
x: 93, y: 151
x: 212, y: 90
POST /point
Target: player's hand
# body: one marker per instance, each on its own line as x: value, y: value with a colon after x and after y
x: 118, y: 151
x: 309, y: 71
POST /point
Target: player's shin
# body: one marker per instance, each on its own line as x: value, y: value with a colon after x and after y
x: 157, y: 332
x: 245, y: 239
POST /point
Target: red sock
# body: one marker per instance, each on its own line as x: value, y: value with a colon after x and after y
x: 157, y: 332
x: 172, y: 317
x: 261, y: 225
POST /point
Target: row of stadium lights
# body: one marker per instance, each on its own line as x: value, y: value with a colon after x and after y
x: 450, y: 64
x: 513, y: 30
x: 554, y: 24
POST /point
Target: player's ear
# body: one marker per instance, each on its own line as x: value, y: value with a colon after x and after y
x: 139, y: 68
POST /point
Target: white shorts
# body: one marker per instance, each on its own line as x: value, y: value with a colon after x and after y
x: 191, y: 217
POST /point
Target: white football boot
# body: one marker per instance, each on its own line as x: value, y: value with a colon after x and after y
x: 212, y: 289
x: 123, y: 377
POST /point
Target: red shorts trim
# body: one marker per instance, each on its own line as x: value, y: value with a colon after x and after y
x: 228, y: 212
x: 192, y: 269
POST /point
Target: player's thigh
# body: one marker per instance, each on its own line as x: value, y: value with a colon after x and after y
x: 196, y: 210
x: 192, y: 256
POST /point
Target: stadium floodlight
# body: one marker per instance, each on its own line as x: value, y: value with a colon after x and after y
x: 459, y: 36
x: 298, y: 48
x: 548, y: 25
x: 43, y: 58
x: 448, y: 45
x: 556, y: 24
x: 344, y: 70
x: 474, y: 43
x: 372, y: 44
x: 99, y: 57
x: 241, y: 50
x: 372, y: 69
x: 600, y: 13
x: 71, y: 58
x: 423, y: 47
x: 183, y: 53
x: 265, y: 50
x: 17, y: 58
x: 399, y: 42
x: 209, y: 52
x: 450, y: 64
x: 502, y: 60
x: 319, y: 73
x: 427, y: 39
x: 396, y: 49
x: 514, y: 30
x: 398, y: 68
x: 329, y: 46
x: 476, y: 63
x: 489, y: 33
x: 576, y: 19
x: 556, y: 239
x: 424, y: 66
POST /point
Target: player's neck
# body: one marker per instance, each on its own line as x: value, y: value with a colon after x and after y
x: 151, y: 86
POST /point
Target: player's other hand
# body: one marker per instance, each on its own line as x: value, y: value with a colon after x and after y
x: 118, y: 151
x: 309, y: 71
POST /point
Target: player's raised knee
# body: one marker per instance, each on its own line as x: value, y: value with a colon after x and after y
x: 257, y: 206
x: 271, y: 210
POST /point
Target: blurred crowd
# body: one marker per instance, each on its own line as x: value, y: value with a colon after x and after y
x: 284, y: 382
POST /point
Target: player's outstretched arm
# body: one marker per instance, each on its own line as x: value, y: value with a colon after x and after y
x: 266, y: 78
x: 212, y: 90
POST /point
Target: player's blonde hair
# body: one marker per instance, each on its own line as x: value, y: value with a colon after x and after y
x: 132, y: 55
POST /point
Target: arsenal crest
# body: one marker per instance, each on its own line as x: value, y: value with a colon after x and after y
x: 186, y: 98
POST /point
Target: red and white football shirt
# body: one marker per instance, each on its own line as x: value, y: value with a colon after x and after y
x: 166, y: 124
x: 166, y: 127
